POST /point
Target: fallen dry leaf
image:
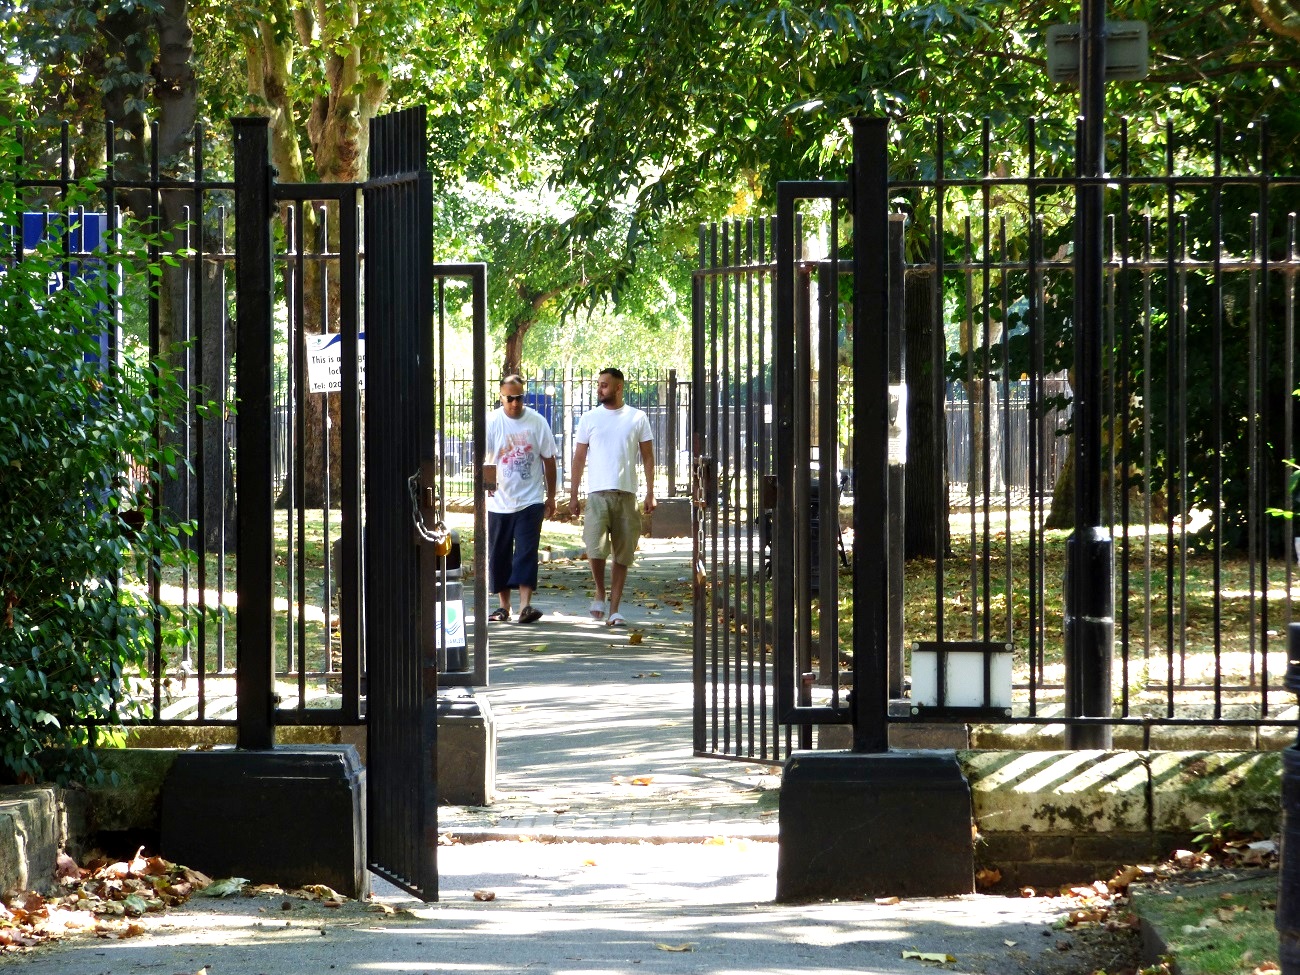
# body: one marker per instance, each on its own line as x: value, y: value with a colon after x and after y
x: 886, y: 901
x: 635, y: 637
x: 66, y: 868
x: 485, y: 895
x: 321, y: 891
x: 988, y: 876
x: 642, y: 780
x: 938, y: 956
x: 688, y: 946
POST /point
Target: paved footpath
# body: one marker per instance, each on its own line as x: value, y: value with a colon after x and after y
x: 610, y: 849
x: 594, y: 722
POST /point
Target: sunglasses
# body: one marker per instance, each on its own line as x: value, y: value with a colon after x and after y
x: 512, y: 399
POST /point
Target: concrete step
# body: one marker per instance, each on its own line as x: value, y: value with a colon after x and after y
x: 30, y: 826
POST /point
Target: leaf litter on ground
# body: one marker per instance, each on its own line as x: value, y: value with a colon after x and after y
x: 110, y: 898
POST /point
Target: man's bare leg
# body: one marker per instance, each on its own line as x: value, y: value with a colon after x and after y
x: 598, y: 577
x: 617, y: 577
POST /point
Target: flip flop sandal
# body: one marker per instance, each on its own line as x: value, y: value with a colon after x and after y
x: 499, y: 615
x: 529, y: 615
x: 616, y: 619
x: 597, y: 609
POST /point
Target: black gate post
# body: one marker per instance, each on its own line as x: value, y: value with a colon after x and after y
x: 254, y: 391
x: 870, y: 435
x: 291, y: 815
x: 870, y: 822
x: 1089, y: 609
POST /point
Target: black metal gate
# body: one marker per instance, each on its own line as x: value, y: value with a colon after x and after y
x: 401, y: 663
x: 770, y: 310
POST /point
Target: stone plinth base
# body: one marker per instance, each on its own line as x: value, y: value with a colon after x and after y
x: 863, y: 826
x: 293, y: 815
x: 467, y: 749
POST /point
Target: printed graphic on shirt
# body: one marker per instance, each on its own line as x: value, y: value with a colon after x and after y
x: 518, y: 457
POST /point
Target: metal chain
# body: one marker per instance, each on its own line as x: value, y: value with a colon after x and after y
x: 438, y: 534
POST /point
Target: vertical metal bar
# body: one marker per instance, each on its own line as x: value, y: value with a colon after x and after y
x: 349, y: 570
x: 670, y: 433
x: 974, y: 424
x: 827, y: 508
x: 870, y: 192
x: 224, y: 413
x: 1172, y: 392
x: 726, y: 390
x: 201, y: 416
x: 699, y: 672
x: 745, y: 529
x: 783, y: 431
x: 986, y: 388
x: 897, y: 451
x: 1089, y: 624
x: 1008, y: 438
x: 939, y: 353
x: 766, y: 240
x: 420, y: 228
x: 1288, y: 410
x: 479, y: 428
x: 1265, y: 464
x: 1216, y: 406
x: 718, y: 702
x: 327, y: 567
x: 254, y: 351
x: 1125, y: 426
x: 1148, y: 417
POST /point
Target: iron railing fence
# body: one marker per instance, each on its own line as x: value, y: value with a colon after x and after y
x: 1199, y: 348
x: 189, y: 320
x: 1200, y: 302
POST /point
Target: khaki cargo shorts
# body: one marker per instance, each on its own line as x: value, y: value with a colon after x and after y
x: 612, y: 520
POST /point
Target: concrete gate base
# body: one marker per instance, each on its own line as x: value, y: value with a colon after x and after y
x: 291, y: 816
x: 865, y: 826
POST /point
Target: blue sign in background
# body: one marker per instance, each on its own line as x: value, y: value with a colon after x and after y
x: 85, y: 235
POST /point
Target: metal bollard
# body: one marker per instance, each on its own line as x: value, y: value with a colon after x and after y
x: 1287, y: 919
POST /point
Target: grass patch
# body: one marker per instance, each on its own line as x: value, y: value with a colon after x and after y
x: 1219, y: 927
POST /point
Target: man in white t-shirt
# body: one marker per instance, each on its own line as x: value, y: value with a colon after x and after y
x: 519, y: 477
x: 610, y: 441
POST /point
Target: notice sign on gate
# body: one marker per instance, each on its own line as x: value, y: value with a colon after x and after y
x: 451, y: 628
x: 325, y: 362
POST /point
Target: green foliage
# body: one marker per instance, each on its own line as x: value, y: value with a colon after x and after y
x: 76, y: 625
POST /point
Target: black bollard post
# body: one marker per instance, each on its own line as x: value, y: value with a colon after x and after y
x: 1287, y: 919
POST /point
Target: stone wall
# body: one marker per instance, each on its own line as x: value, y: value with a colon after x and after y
x: 1047, y: 818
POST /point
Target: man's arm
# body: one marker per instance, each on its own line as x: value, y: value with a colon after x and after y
x: 490, y: 478
x: 575, y: 477
x: 548, y: 472
x: 648, y: 462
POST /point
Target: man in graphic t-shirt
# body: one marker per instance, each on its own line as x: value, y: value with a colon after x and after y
x: 519, y: 477
x: 611, y: 439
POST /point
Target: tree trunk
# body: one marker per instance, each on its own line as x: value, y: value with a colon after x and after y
x: 337, y: 128
x: 925, y: 525
x: 514, y: 351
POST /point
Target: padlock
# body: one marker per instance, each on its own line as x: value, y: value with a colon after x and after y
x: 441, y: 540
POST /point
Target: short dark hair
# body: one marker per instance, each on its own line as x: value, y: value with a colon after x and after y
x: 513, y: 378
x: 611, y: 371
